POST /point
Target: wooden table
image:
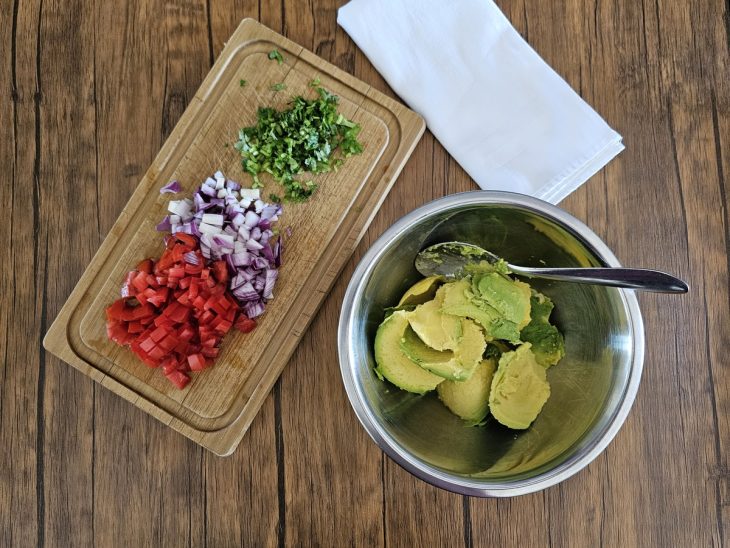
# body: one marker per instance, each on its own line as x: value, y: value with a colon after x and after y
x: 91, y: 90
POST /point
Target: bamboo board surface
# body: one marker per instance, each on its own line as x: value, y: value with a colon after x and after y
x: 218, y: 405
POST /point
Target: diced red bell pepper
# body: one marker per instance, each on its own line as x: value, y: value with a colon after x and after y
x: 196, y: 362
x: 220, y: 271
x: 178, y: 378
x: 245, y: 324
x: 145, y: 266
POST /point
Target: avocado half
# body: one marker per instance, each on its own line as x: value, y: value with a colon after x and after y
x: 470, y: 399
x: 519, y: 389
x: 457, y: 364
x: 393, y: 364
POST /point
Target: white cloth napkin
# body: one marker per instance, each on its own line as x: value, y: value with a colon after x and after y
x: 495, y: 105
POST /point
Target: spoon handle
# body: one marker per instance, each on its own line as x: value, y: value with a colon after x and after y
x: 629, y: 278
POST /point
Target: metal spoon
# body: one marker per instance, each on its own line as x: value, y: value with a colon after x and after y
x: 450, y: 258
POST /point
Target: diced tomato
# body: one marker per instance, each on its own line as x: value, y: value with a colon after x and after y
x: 196, y: 362
x: 176, y: 272
x: 245, y: 324
x: 211, y: 352
x: 147, y: 344
x: 115, y: 310
x: 178, y: 378
x: 158, y: 334
x: 176, y: 312
x: 135, y: 327
x: 140, y: 281
x: 220, y: 271
x: 145, y: 266
x: 169, y: 365
x: 186, y: 239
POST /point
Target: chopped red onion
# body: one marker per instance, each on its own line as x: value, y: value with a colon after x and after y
x: 172, y: 188
x: 233, y: 224
x: 164, y: 225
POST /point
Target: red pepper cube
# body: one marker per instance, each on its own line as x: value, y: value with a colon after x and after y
x: 220, y: 271
x: 209, y: 352
x: 204, y: 274
x: 184, y: 299
x: 169, y: 365
x: 168, y: 343
x: 116, y: 310
x: 147, y: 345
x: 185, y: 282
x: 176, y: 272
x: 140, y: 281
x: 157, y: 353
x: 223, y: 326
x: 196, y: 362
x: 135, y: 327
x: 187, y: 240
x: 145, y: 266
x: 178, y: 378
x: 186, y: 333
x: 142, y: 312
x: 207, y: 317
x: 245, y: 324
x: 158, y: 334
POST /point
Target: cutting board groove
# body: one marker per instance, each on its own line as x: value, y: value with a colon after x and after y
x: 219, y: 404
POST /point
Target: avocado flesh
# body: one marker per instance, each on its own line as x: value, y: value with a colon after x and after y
x: 459, y: 300
x: 547, y: 342
x: 457, y: 364
x: 510, y: 298
x: 519, y: 389
x: 469, y: 399
x: 422, y: 291
x: 438, y: 330
x: 393, y: 364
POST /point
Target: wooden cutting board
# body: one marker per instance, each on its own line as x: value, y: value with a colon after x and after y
x: 218, y: 405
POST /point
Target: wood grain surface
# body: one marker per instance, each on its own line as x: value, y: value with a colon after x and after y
x: 90, y: 91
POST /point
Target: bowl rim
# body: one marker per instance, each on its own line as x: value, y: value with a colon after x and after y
x: 436, y: 476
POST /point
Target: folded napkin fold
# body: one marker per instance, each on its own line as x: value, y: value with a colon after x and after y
x: 495, y: 105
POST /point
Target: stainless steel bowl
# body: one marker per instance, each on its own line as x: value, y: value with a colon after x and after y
x: 593, y: 387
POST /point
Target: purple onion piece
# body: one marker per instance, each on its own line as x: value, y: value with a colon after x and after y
x: 171, y: 188
x: 208, y: 190
x: 164, y: 225
x: 254, y: 309
x: 191, y: 258
x: 269, y: 282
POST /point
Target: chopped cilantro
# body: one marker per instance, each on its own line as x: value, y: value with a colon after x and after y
x: 278, y: 87
x: 274, y: 198
x: 314, y: 83
x: 242, y: 83
x: 302, y: 138
x: 274, y: 54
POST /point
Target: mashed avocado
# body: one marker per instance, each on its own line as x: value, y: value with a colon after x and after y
x: 450, y: 336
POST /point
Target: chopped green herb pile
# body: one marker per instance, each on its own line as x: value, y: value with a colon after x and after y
x: 274, y: 54
x: 302, y: 138
x: 278, y: 87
